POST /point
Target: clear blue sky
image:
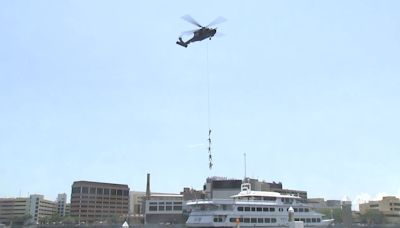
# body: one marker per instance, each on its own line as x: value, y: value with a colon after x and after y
x: 98, y: 90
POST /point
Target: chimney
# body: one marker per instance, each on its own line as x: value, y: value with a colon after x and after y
x: 148, y: 187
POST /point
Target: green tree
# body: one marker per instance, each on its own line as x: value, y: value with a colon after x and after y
x: 331, y: 213
x: 69, y: 220
x: 20, y: 220
x: 373, y: 216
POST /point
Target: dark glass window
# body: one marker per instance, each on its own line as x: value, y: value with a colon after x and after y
x: 246, y: 220
x: 273, y: 220
x: 99, y: 191
x: 113, y: 192
x: 247, y: 209
x: 272, y: 209
x: 106, y: 191
x: 313, y: 220
x: 126, y: 193
x: 259, y: 208
x: 92, y: 190
x: 119, y: 192
x: 267, y: 220
x: 306, y: 210
x: 240, y: 208
x: 260, y: 220
x: 265, y: 209
x: 177, y: 208
x: 253, y: 220
x: 76, y: 190
x: 253, y: 209
x: 153, y: 208
x: 85, y: 190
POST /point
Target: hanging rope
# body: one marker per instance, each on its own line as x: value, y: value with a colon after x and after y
x: 210, y: 164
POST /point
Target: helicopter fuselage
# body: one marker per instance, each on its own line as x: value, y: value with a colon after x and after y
x: 198, y: 35
x: 202, y: 34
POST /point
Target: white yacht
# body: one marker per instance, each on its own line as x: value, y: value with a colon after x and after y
x: 252, y: 209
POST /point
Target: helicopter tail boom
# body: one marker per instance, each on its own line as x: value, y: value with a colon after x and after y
x: 182, y: 43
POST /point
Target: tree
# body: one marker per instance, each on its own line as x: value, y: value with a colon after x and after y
x: 373, y: 216
x: 20, y: 220
x: 332, y: 213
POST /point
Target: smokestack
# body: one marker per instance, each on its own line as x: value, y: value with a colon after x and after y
x: 148, y: 187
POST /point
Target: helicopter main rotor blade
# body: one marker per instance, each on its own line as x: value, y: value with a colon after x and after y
x: 217, y: 20
x: 190, y: 32
x: 189, y: 19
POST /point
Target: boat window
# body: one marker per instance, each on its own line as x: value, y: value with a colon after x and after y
x: 168, y: 208
x: 269, y: 198
x: 217, y: 219
x: 240, y: 219
x: 153, y: 208
x: 273, y: 220
x: 253, y: 209
x: 313, y: 220
x: 301, y: 209
x: 267, y: 220
x: 259, y: 208
x: 260, y: 220
x: 280, y: 209
x: 303, y: 219
x: 246, y: 220
x: 308, y: 220
x: 306, y: 210
x: 240, y: 208
x: 265, y: 209
x: 253, y: 220
x: 295, y: 209
x: 272, y: 209
x: 296, y: 219
x: 318, y: 220
x: 247, y: 209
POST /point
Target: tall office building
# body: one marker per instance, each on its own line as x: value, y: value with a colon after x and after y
x: 35, y: 206
x: 389, y: 206
x: 12, y: 208
x: 95, y: 201
x: 40, y: 208
x: 61, y: 204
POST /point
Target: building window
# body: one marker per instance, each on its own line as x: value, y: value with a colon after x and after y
x: 246, y: 220
x: 253, y: 220
x: 267, y: 220
x: 85, y: 190
x: 113, y: 192
x: 76, y: 190
x: 260, y: 220
x: 273, y: 220
x: 119, y: 192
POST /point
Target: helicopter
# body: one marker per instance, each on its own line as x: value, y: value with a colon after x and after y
x: 200, y: 34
